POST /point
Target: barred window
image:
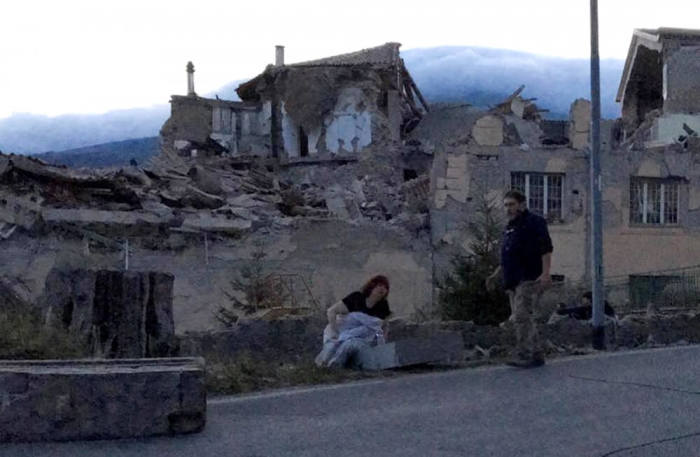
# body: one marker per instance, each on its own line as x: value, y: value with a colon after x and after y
x: 543, y: 192
x: 653, y: 201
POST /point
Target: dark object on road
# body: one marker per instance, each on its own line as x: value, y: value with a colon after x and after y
x: 526, y: 363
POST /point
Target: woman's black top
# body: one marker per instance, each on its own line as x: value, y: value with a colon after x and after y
x: 357, y: 302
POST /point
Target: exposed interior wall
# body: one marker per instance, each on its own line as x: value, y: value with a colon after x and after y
x: 349, y: 126
x: 644, y: 91
x: 669, y: 127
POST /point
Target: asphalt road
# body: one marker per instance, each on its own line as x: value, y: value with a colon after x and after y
x: 643, y: 403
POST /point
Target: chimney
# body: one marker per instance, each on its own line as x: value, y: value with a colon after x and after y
x: 190, y: 80
x: 279, y: 56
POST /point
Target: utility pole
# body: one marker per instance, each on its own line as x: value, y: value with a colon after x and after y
x: 126, y: 254
x: 596, y: 188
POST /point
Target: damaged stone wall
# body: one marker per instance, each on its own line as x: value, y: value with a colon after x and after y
x: 200, y: 125
x: 477, y: 160
x: 474, y: 161
x: 336, y: 111
x: 634, y: 248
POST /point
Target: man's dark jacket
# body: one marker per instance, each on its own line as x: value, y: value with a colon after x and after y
x: 525, y: 240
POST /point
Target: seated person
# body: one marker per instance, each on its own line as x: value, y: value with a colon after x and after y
x: 364, y: 313
x: 585, y: 311
x: 370, y: 299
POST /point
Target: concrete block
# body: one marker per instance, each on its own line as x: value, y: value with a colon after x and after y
x: 100, y: 399
x: 442, y: 347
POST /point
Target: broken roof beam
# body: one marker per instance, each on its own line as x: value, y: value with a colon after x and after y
x: 414, y: 86
x: 409, y: 99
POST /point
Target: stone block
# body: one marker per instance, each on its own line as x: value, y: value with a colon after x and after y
x: 517, y: 106
x: 115, y: 313
x: 440, y: 198
x: 442, y: 347
x: 455, y: 172
x: 457, y: 161
x: 458, y: 194
x: 580, y: 115
x: 101, y: 399
x: 579, y: 140
x: 488, y: 131
x: 455, y: 183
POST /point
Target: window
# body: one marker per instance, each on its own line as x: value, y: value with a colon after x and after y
x: 543, y: 192
x: 222, y: 120
x: 303, y: 143
x: 653, y: 201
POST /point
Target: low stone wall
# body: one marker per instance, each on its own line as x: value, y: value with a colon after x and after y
x: 100, y: 399
x: 284, y: 338
x: 290, y: 338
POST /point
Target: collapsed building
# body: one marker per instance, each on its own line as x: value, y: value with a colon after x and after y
x: 318, y: 187
x: 332, y: 170
x: 328, y: 109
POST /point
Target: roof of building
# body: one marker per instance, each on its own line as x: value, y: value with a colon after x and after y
x: 651, y: 39
x: 387, y: 54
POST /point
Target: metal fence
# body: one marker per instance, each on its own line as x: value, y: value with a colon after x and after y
x: 673, y: 288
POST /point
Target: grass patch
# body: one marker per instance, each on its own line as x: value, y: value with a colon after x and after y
x: 23, y: 336
x: 250, y: 373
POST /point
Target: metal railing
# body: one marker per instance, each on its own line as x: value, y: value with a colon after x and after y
x: 671, y: 288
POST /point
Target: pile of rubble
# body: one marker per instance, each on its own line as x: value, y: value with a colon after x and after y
x: 205, y: 196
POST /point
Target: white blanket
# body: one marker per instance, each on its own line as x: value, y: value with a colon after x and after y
x: 356, y: 331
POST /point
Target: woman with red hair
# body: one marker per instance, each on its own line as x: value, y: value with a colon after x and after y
x: 370, y: 299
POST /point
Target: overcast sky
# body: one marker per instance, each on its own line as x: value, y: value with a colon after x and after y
x: 90, y: 56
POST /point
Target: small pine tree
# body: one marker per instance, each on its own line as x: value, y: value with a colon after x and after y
x: 463, y: 294
x: 261, y: 289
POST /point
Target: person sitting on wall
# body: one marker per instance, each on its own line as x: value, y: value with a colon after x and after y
x: 585, y: 311
x: 364, y: 314
x: 370, y: 299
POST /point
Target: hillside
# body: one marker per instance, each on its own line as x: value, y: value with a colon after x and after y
x: 118, y: 153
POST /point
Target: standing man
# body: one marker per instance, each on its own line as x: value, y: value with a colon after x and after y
x: 526, y: 256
